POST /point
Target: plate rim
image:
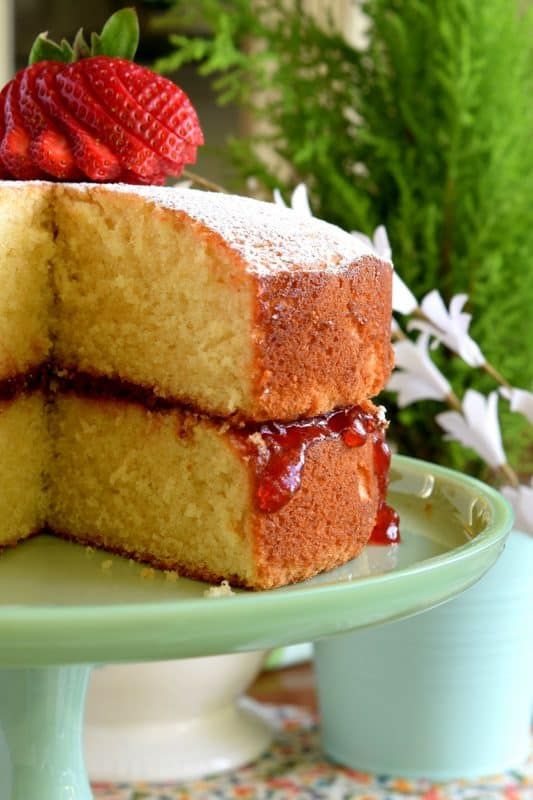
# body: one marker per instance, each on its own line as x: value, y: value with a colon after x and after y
x: 496, y: 532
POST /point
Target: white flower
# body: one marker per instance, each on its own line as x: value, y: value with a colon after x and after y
x: 520, y: 401
x: 299, y: 200
x: 403, y: 300
x: 449, y: 326
x: 477, y: 427
x: 521, y: 499
x: 416, y: 377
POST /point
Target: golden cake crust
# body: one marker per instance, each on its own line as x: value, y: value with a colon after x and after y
x: 323, y: 339
x: 326, y: 523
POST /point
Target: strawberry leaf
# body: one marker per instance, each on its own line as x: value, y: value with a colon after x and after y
x: 67, y: 49
x: 44, y: 49
x: 119, y: 36
x: 80, y: 48
x: 97, y: 48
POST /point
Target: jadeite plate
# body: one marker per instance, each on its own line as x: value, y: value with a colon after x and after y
x: 61, y: 604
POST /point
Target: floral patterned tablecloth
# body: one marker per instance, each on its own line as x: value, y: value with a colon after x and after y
x: 295, y: 767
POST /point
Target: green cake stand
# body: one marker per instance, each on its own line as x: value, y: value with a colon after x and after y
x: 64, y: 607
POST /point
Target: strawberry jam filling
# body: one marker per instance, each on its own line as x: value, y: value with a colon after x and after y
x: 23, y: 383
x: 282, y: 447
x: 282, y: 454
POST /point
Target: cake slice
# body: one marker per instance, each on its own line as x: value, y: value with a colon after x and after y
x: 184, y: 379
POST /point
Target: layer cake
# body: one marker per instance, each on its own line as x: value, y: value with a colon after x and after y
x: 185, y: 378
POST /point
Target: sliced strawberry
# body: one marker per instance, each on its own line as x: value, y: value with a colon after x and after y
x: 15, y: 146
x: 164, y: 100
x: 3, y: 94
x: 92, y: 156
x: 104, y: 82
x: 52, y: 152
x: 156, y: 179
x: 49, y: 148
x: 76, y: 93
x: 102, y: 117
x: 32, y: 114
x: 167, y: 103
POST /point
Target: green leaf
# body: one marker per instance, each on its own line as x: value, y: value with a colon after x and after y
x: 80, y: 48
x: 97, y: 48
x: 67, y: 49
x: 119, y: 36
x: 44, y: 49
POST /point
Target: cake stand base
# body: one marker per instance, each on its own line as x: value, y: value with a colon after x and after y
x: 222, y: 741
x: 41, y: 717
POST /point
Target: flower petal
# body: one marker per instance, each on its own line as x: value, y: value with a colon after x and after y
x: 449, y: 326
x: 278, y: 198
x: 381, y: 243
x: 477, y: 427
x: 416, y: 377
x: 520, y: 401
x: 521, y: 499
x: 403, y: 300
x: 300, y: 201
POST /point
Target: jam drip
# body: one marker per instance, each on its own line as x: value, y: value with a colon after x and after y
x: 387, y: 527
x: 282, y: 450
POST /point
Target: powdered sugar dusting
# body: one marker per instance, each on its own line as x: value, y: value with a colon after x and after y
x: 267, y: 237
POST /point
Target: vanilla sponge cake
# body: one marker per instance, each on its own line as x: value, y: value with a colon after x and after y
x: 166, y: 326
x: 180, y: 492
x: 26, y: 245
x: 24, y: 458
x: 229, y: 304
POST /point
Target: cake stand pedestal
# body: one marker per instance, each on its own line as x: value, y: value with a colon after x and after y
x: 62, y: 606
x: 41, y: 717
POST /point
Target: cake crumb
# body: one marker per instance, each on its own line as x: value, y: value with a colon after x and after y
x: 224, y: 590
x: 258, y: 440
x: 171, y: 576
x: 381, y: 413
x: 107, y: 564
x: 148, y: 573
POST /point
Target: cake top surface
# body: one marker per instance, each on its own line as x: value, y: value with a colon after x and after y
x: 267, y: 236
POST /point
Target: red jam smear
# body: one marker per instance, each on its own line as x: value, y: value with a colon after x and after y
x: 23, y: 383
x: 282, y: 453
x: 387, y: 527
